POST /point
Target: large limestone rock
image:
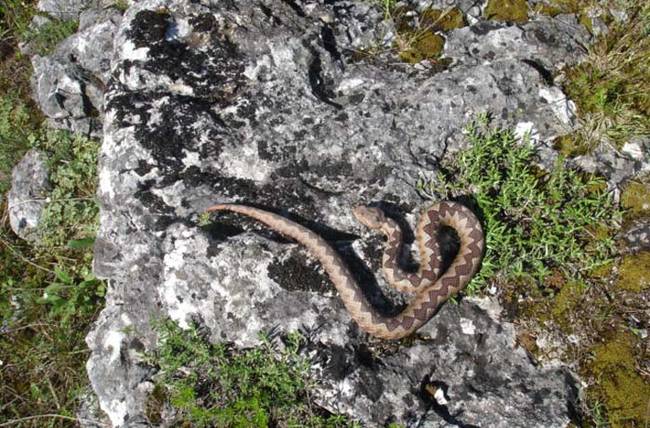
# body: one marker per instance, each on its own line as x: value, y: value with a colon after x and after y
x: 264, y: 104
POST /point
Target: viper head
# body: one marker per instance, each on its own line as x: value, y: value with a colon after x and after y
x: 371, y: 217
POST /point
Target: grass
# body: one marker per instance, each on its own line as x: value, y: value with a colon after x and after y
x: 44, y: 39
x: 48, y: 295
x: 216, y: 385
x: 537, y: 223
x: 610, y: 88
x: 417, y: 35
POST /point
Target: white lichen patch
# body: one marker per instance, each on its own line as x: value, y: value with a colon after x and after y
x: 526, y: 131
x: 563, y: 108
x: 191, y: 159
x: 467, y: 326
x: 113, y: 342
x: 244, y: 162
x: 171, y: 195
x: 178, y: 30
x: 634, y: 150
x: 117, y: 411
x: 262, y: 64
x: 130, y: 52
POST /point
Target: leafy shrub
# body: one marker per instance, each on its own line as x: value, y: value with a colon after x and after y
x: 535, y: 221
x: 215, y: 385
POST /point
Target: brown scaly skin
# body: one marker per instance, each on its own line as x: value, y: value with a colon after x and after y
x: 429, y: 292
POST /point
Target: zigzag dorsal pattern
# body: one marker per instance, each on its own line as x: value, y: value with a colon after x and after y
x: 430, y: 291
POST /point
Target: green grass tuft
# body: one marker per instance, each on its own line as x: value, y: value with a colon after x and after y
x: 610, y: 88
x: 44, y: 39
x: 48, y: 295
x: 535, y: 222
x: 215, y: 385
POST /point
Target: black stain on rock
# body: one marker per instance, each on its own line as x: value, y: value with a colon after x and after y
x: 296, y: 274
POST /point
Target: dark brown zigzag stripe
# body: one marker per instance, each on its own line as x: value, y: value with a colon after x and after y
x: 434, y: 217
x: 476, y: 234
x: 422, y: 314
x: 464, y: 269
x: 407, y: 322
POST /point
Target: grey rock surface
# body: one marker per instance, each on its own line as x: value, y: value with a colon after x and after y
x: 637, y: 235
x: 65, y: 9
x: 27, y: 197
x: 69, y: 84
x: 262, y: 103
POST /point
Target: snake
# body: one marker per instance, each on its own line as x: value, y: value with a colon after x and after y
x: 429, y: 289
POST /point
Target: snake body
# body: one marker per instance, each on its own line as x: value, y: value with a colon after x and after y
x: 429, y: 289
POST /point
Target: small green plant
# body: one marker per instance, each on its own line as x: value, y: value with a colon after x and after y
x: 535, y: 222
x: 215, y: 385
x: 72, y: 211
x: 16, y: 16
x: 44, y: 39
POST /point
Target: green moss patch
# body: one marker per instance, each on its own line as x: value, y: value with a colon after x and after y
x: 635, y: 199
x: 623, y: 392
x: 418, y: 36
x: 571, y: 145
x: 507, y: 10
x: 425, y: 46
x: 566, y: 301
x: 442, y: 20
x: 634, y: 272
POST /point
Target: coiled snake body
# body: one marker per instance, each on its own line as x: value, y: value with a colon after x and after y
x: 430, y: 291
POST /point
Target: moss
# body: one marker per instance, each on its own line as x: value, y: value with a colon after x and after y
x: 425, y: 46
x: 634, y: 272
x: 636, y: 199
x: 586, y: 22
x: 155, y: 403
x: 601, y: 271
x: 572, y: 145
x: 624, y: 393
x: 507, y: 10
x: 441, y: 20
x: 548, y: 10
x: 566, y: 301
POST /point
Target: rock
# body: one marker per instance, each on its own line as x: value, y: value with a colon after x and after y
x: 637, y: 236
x: 89, y: 414
x: 466, y: 370
x: 616, y: 166
x: 64, y: 9
x: 265, y: 105
x: 27, y: 197
x: 69, y: 84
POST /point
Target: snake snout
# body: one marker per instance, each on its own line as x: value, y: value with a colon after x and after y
x: 369, y: 216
